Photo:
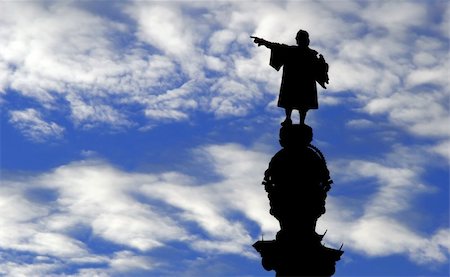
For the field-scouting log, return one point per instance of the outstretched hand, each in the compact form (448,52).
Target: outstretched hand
(258,40)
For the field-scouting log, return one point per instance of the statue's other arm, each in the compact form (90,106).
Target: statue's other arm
(322,72)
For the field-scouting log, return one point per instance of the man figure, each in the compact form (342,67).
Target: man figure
(302,68)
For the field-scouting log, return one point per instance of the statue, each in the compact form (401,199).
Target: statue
(302,68)
(297,180)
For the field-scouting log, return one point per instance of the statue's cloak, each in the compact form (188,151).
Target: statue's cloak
(301,69)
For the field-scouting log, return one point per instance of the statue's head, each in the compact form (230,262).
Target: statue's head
(302,38)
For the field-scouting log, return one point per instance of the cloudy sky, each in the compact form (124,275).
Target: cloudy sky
(135,135)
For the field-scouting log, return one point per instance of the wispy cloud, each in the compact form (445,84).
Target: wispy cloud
(374,224)
(142,211)
(31,124)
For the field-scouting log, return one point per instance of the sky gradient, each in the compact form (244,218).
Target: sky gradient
(135,135)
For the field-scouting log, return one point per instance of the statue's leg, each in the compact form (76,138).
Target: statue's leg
(288,119)
(302,115)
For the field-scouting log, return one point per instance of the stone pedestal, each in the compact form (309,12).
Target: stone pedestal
(297,182)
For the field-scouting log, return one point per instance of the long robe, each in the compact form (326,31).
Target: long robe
(298,85)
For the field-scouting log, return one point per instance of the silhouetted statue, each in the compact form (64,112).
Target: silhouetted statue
(301,69)
(297,179)
(297,182)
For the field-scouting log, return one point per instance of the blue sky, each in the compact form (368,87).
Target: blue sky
(135,135)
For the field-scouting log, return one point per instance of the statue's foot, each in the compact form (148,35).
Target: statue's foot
(286,122)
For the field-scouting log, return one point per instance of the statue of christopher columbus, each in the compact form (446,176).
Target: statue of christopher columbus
(302,68)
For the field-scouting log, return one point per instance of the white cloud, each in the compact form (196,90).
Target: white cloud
(424,114)
(24,270)
(220,41)
(173,103)
(165,27)
(211,205)
(376,224)
(61,52)
(435,76)
(379,235)
(98,195)
(47,47)
(126,260)
(360,123)
(31,124)
(88,115)
(396,17)
(140,211)
(443,149)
